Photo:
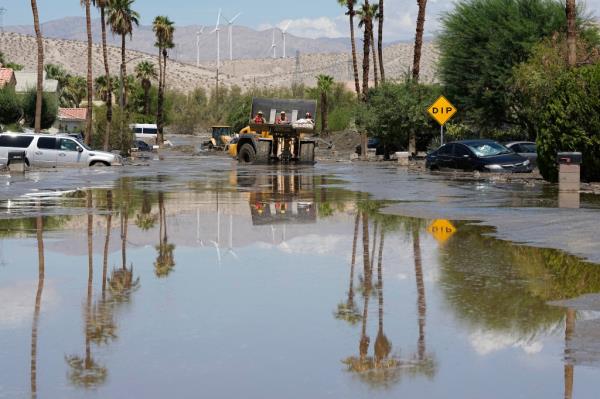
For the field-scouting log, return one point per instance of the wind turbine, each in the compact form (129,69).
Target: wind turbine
(284,34)
(198,34)
(230,23)
(217,30)
(273,45)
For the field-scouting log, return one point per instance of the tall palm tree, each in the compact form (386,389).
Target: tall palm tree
(383,346)
(38,305)
(374,14)
(90,81)
(380,41)
(146,72)
(75,91)
(571,11)
(40,68)
(101,87)
(122,18)
(365,22)
(164,30)
(324,83)
(102,4)
(419,39)
(350,4)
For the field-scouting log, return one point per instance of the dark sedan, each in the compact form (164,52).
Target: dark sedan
(480,155)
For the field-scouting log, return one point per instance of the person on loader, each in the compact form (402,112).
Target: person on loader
(259,119)
(282,119)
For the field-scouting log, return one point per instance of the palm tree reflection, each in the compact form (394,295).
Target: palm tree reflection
(165,261)
(38,305)
(85,371)
(348,310)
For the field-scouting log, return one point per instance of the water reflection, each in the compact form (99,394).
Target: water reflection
(490,288)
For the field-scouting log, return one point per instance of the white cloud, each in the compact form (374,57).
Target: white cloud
(17,302)
(487,342)
(312,27)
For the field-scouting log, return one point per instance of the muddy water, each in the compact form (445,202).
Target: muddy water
(261,284)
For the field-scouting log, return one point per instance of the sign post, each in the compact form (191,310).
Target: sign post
(442,110)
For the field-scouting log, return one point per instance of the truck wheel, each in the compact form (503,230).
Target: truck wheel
(246,154)
(263,152)
(307,153)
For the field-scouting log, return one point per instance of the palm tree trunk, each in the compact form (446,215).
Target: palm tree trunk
(353,42)
(380,42)
(159,109)
(38,305)
(88,308)
(124,225)
(40,68)
(90,81)
(146,100)
(108,83)
(421,304)
(365,66)
(571,11)
(123,73)
(419,39)
(353,261)
(375,66)
(324,105)
(109,202)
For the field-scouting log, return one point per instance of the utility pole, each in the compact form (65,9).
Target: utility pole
(297,68)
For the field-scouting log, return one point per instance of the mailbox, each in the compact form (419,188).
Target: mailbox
(569,170)
(569,158)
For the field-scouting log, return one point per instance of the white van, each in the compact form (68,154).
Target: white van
(49,151)
(145,131)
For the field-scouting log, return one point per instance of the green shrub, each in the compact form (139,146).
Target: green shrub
(481,41)
(120,121)
(49,109)
(10,106)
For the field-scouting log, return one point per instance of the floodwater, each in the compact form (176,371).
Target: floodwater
(259,283)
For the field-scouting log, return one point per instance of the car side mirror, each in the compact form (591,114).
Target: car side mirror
(79,149)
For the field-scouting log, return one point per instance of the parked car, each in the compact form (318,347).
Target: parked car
(481,155)
(526,149)
(44,150)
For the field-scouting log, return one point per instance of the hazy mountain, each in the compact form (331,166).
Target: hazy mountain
(247,43)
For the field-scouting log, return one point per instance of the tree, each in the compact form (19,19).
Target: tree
(571,13)
(146,72)
(350,4)
(122,18)
(380,41)
(365,21)
(481,41)
(89,78)
(101,87)
(164,29)
(416,70)
(40,68)
(10,106)
(324,83)
(374,16)
(58,73)
(75,91)
(102,4)
(48,112)
(38,304)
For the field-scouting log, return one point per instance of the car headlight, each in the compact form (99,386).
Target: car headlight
(494,167)
(526,163)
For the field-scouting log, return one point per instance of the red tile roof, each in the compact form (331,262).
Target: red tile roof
(72,113)
(6,75)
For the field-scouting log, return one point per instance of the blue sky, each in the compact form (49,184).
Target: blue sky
(314,19)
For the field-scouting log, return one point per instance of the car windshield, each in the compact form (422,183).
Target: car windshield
(488,148)
(81,143)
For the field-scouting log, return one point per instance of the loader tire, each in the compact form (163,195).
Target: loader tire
(263,152)
(307,153)
(247,154)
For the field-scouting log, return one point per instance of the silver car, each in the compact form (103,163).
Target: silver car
(49,151)
(526,149)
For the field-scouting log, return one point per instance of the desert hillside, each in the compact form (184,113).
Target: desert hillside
(247,73)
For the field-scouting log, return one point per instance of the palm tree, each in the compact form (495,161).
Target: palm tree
(569,369)
(90,81)
(75,91)
(40,68)
(109,206)
(571,11)
(380,41)
(101,87)
(165,260)
(419,39)
(350,4)
(365,22)
(324,83)
(58,73)
(102,4)
(374,15)
(383,346)
(38,305)
(164,29)
(146,72)
(348,310)
(121,19)
(421,303)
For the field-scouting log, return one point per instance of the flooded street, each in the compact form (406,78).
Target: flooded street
(200,279)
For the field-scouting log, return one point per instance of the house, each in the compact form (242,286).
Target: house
(28,81)
(7,78)
(71,120)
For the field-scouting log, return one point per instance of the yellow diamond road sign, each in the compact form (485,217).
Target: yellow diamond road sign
(442,110)
(441,230)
